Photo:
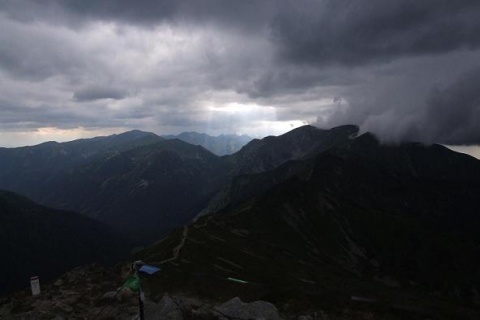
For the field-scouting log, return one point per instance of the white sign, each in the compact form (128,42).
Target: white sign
(35,284)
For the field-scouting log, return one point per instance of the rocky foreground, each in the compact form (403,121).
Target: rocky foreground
(95,292)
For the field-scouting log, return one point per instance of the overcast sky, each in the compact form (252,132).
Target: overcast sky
(405,70)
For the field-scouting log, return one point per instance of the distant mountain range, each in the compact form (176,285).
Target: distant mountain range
(39,241)
(31,170)
(137,182)
(144,192)
(220,145)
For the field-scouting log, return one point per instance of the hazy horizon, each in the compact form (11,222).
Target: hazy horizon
(473,151)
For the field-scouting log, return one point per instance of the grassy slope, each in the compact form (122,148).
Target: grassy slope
(387,223)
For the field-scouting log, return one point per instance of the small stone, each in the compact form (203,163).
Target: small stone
(203,312)
(58,283)
(67,292)
(187,303)
(109,295)
(236,308)
(166,309)
(132,310)
(126,295)
(65,307)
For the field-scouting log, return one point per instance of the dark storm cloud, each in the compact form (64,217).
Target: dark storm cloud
(247,15)
(452,113)
(37,53)
(165,63)
(55,11)
(98,93)
(135,11)
(289,79)
(370,31)
(396,110)
(18,116)
(306,31)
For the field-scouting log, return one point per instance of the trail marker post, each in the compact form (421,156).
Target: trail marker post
(35,285)
(140,266)
(141,297)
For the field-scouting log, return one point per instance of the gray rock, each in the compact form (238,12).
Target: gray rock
(109,295)
(5,312)
(204,312)
(238,309)
(166,309)
(186,304)
(59,283)
(65,307)
(126,295)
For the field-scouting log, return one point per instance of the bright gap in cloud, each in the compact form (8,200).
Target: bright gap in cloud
(473,151)
(247,118)
(40,135)
(272,128)
(239,108)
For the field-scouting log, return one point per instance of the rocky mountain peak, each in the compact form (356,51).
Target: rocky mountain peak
(270,152)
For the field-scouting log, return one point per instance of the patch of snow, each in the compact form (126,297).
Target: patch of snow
(250,253)
(386,280)
(292,221)
(222,268)
(142,183)
(362,299)
(230,263)
(190,239)
(306,280)
(211,236)
(305,263)
(240,232)
(355,249)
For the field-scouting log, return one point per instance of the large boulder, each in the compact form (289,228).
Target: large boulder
(166,309)
(237,309)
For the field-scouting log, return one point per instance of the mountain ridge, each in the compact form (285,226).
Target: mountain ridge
(269,152)
(329,211)
(169,182)
(45,242)
(361,219)
(152,188)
